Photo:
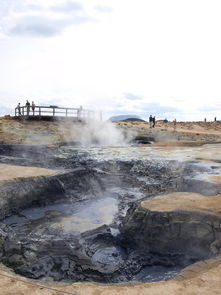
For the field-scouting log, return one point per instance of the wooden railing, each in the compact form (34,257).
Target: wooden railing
(52,111)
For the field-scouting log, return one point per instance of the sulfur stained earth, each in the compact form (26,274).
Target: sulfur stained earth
(184,201)
(11,172)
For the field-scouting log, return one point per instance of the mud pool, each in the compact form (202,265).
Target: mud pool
(67,217)
(73,226)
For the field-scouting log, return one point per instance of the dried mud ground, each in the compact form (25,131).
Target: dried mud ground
(10,172)
(200,278)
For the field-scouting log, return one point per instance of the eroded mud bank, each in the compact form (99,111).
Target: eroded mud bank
(72,226)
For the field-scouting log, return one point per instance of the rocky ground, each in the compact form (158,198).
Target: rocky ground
(170,183)
(17,131)
(184,133)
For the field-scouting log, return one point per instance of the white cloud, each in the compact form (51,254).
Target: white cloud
(102,8)
(132,96)
(158,52)
(24,18)
(67,6)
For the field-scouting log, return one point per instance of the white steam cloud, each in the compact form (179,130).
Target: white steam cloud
(97,133)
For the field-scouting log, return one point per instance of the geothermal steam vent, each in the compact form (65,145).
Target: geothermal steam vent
(108,214)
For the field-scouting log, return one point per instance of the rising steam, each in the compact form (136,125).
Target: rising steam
(97,133)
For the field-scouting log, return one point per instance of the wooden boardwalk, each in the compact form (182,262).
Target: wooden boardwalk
(55,111)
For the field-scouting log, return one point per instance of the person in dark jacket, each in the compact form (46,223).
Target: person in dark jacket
(150,121)
(28,107)
(154,121)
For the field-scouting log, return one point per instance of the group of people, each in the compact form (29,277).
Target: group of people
(165,122)
(28,106)
(206,120)
(152,122)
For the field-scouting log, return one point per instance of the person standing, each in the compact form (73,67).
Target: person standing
(28,107)
(150,121)
(174,124)
(165,123)
(19,109)
(154,121)
(33,107)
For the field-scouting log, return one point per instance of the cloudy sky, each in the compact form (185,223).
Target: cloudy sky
(159,57)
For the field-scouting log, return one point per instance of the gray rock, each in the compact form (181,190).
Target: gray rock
(190,234)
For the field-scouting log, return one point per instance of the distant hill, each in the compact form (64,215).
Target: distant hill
(134,120)
(123,117)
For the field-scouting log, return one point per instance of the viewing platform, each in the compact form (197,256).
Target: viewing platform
(41,112)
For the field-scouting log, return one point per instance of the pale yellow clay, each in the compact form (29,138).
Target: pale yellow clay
(184,201)
(11,172)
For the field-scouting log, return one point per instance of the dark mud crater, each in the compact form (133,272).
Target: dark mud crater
(85,223)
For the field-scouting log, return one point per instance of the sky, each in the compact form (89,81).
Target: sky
(158,57)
